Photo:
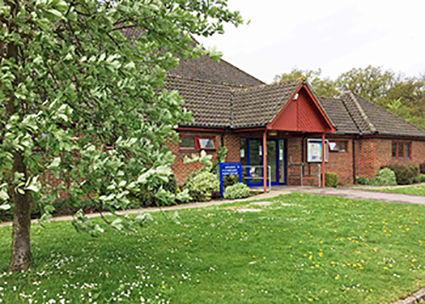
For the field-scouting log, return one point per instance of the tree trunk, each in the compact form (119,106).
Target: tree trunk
(21,247)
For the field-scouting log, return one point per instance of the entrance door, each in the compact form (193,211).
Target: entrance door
(276,160)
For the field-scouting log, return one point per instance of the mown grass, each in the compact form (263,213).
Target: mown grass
(413,190)
(300,249)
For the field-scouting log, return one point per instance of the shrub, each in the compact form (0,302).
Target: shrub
(405,174)
(236,191)
(148,198)
(221,157)
(422,178)
(386,177)
(331,179)
(201,184)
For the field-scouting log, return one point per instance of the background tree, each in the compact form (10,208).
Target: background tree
(404,96)
(324,87)
(78,75)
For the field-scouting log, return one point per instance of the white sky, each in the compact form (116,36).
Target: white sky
(334,35)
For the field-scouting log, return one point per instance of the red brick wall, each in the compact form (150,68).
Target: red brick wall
(340,163)
(232,142)
(182,170)
(383,155)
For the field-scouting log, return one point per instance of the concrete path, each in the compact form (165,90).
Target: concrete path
(262,196)
(367,195)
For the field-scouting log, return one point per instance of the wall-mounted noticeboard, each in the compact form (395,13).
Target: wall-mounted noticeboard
(314,150)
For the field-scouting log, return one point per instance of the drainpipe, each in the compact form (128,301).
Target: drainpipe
(323,160)
(354,160)
(265,160)
(222,138)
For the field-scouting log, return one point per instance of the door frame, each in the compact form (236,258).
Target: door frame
(278,168)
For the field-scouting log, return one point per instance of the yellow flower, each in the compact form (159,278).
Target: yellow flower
(310,300)
(413,260)
(336,278)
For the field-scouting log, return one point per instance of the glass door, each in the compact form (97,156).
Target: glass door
(252,157)
(255,161)
(272,154)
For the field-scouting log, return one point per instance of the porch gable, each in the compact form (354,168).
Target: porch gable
(302,113)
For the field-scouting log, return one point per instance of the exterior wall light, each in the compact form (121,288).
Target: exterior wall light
(295,97)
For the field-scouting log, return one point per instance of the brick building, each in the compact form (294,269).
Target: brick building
(279,130)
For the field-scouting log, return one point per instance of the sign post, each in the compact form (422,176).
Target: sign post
(229,169)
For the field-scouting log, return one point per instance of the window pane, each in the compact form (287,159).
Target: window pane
(394,153)
(400,150)
(343,146)
(333,146)
(206,143)
(187,143)
(407,150)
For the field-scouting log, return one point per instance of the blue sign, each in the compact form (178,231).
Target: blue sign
(229,169)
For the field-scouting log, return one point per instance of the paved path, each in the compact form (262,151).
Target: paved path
(367,195)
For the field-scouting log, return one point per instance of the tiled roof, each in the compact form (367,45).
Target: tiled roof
(374,119)
(207,69)
(210,103)
(339,115)
(257,106)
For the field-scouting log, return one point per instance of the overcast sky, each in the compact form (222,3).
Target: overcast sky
(334,35)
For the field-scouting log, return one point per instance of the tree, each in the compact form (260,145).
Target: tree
(371,82)
(324,87)
(82,74)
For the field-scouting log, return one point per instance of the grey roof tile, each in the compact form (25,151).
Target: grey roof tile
(210,103)
(256,106)
(339,115)
(207,69)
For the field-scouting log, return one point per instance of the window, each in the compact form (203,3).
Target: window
(401,150)
(340,146)
(333,146)
(196,143)
(187,143)
(207,143)
(394,151)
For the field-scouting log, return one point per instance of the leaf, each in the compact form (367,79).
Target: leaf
(55,163)
(118,224)
(5,207)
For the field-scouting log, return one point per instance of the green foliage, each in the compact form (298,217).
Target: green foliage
(361,180)
(422,178)
(405,175)
(149,198)
(221,157)
(201,184)
(331,179)
(236,191)
(386,177)
(323,87)
(78,75)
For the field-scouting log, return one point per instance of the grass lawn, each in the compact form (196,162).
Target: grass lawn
(414,190)
(300,249)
